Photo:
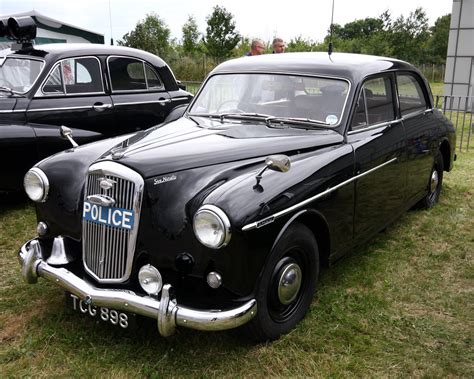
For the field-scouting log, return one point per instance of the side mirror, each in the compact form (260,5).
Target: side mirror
(66,133)
(280,163)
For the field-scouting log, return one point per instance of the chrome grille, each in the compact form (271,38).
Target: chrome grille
(107,250)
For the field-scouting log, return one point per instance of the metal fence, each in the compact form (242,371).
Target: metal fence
(459,110)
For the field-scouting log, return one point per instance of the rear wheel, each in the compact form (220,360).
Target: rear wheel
(286,285)
(435,183)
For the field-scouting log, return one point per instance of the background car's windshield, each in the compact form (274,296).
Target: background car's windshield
(19,74)
(276,95)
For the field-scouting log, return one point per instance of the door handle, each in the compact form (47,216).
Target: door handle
(164,101)
(99,107)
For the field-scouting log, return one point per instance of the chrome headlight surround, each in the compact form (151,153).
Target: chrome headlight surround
(212,226)
(36,185)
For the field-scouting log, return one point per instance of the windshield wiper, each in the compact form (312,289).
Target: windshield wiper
(298,121)
(237,115)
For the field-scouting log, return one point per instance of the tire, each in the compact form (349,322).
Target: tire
(435,184)
(279,307)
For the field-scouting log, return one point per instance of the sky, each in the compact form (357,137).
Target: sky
(254,18)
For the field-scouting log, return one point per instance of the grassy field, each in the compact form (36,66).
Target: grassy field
(399,306)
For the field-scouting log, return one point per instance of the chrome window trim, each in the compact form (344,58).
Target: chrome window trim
(416,113)
(41,93)
(30,59)
(305,75)
(123,172)
(270,219)
(13,111)
(375,126)
(147,89)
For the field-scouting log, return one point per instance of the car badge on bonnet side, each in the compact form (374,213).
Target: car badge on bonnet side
(106,183)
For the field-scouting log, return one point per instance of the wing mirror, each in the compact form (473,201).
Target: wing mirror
(279,163)
(66,133)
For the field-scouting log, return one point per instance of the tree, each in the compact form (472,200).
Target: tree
(221,36)
(151,35)
(438,42)
(190,36)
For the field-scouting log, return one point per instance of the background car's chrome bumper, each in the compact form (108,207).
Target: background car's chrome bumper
(166,310)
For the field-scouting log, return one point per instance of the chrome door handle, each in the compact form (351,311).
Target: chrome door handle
(164,101)
(101,107)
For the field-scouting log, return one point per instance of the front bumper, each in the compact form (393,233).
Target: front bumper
(166,311)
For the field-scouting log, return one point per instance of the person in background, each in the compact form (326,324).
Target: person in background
(278,46)
(256,48)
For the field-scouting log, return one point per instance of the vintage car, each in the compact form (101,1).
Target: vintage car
(97,91)
(222,218)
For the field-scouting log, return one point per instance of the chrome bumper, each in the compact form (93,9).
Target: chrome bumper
(166,311)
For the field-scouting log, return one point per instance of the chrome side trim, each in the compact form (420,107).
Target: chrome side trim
(63,108)
(168,313)
(13,111)
(363,129)
(270,219)
(164,101)
(179,98)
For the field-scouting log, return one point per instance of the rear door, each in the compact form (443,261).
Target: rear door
(378,140)
(138,93)
(421,138)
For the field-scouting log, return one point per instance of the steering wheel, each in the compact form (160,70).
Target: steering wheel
(234,108)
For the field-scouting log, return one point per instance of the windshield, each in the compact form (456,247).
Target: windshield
(273,96)
(19,74)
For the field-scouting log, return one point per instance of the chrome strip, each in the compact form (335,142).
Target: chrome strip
(63,108)
(164,101)
(179,98)
(417,113)
(270,219)
(13,111)
(375,126)
(168,313)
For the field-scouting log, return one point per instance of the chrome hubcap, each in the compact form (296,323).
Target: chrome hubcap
(289,283)
(434,181)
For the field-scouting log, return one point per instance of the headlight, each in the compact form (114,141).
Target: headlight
(36,185)
(212,227)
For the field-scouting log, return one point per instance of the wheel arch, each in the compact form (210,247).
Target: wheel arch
(315,222)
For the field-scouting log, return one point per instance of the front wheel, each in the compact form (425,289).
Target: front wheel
(286,285)
(435,183)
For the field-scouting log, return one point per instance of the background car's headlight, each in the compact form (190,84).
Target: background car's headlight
(212,227)
(36,185)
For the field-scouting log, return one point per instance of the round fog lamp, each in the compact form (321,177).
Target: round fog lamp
(150,280)
(214,279)
(36,185)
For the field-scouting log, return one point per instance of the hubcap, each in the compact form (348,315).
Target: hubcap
(434,181)
(289,283)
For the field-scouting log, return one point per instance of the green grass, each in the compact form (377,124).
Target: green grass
(400,306)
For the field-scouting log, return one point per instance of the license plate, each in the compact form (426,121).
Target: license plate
(112,316)
(110,216)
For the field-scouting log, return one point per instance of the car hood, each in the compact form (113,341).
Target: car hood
(192,142)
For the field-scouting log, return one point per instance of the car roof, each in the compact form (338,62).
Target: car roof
(350,66)
(56,51)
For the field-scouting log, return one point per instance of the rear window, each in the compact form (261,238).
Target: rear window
(410,94)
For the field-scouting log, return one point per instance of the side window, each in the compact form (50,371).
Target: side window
(152,78)
(410,94)
(74,76)
(128,74)
(375,103)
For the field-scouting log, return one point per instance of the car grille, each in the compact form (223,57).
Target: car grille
(108,251)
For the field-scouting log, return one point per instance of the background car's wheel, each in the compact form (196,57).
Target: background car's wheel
(435,183)
(286,285)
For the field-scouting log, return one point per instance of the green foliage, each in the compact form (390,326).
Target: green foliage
(190,36)
(438,43)
(221,35)
(151,35)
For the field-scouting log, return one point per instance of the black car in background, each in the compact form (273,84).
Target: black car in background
(222,218)
(97,91)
